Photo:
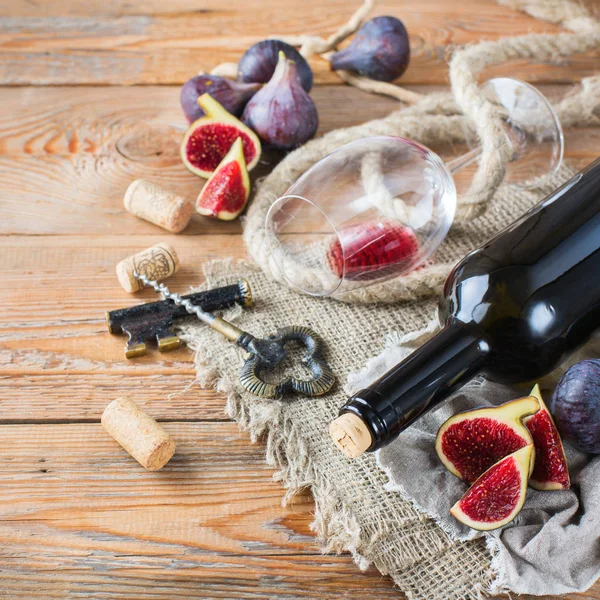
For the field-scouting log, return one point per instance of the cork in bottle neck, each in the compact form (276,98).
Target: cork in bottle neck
(350,434)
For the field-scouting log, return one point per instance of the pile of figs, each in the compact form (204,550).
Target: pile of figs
(230,120)
(269,104)
(499,451)
(270,95)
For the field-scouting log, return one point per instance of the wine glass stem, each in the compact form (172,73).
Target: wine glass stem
(456,164)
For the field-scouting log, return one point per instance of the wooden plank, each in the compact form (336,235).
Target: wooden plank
(65,168)
(57,359)
(81,397)
(120,8)
(209,525)
(86,120)
(216,493)
(113,43)
(78,274)
(83,193)
(66,163)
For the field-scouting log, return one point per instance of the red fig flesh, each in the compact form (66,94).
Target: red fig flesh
(225,194)
(209,138)
(469,443)
(231,95)
(550,471)
(497,495)
(282,113)
(367,250)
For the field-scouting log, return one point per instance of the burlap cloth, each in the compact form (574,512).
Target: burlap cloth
(354,511)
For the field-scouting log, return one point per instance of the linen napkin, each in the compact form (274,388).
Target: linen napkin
(552,547)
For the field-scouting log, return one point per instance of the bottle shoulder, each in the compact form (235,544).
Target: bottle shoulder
(531,322)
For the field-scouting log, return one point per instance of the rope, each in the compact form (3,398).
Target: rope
(463,116)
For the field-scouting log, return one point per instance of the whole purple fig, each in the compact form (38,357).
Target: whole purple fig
(232,95)
(576,405)
(258,63)
(282,113)
(380,50)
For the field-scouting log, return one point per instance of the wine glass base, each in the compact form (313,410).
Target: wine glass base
(532,127)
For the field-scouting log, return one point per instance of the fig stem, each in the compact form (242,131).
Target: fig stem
(376,87)
(314,44)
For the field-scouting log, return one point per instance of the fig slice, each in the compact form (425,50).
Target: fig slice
(209,138)
(550,471)
(497,495)
(469,443)
(225,194)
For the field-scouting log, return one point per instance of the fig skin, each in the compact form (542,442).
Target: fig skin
(282,113)
(380,50)
(576,405)
(231,95)
(259,62)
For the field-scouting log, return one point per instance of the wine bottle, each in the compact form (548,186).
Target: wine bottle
(512,310)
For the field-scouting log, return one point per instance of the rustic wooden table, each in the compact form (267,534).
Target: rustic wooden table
(90,102)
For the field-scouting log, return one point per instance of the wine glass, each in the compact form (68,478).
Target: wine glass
(379,207)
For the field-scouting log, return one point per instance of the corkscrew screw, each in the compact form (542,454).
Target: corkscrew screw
(264,353)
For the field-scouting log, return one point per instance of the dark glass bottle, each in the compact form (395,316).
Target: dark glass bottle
(513,310)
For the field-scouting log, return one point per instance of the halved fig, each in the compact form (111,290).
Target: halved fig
(225,194)
(550,471)
(469,443)
(498,495)
(209,138)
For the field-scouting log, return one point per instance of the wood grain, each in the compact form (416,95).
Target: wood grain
(66,163)
(209,525)
(78,517)
(65,169)
(121,45)
(57,359)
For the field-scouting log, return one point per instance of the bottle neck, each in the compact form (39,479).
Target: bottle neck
(419,383)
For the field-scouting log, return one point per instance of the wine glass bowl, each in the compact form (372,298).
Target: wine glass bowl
(375,208)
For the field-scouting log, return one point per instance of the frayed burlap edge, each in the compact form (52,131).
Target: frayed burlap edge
(286,450)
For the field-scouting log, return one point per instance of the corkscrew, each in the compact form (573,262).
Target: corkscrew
(265,353)
(154,321)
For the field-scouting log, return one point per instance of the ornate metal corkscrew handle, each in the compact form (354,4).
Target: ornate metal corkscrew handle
(264,353)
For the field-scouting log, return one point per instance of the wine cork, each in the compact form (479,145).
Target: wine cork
(158,263)
(138,433)
(350,434)
(152,203)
